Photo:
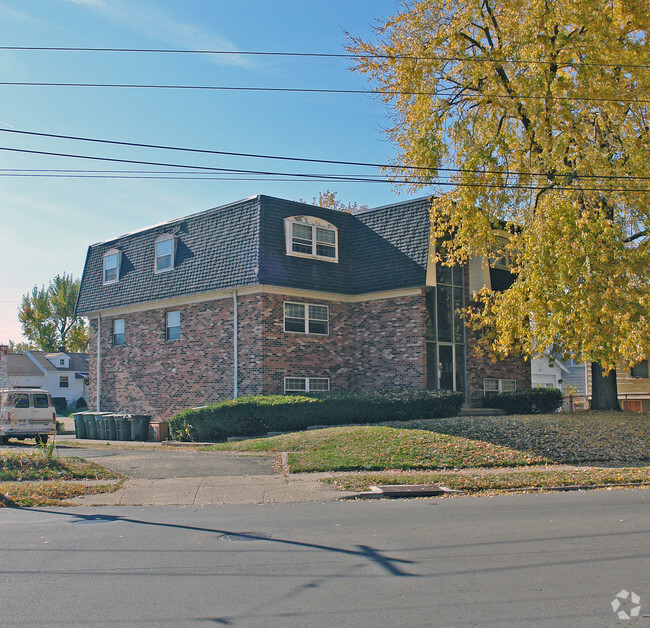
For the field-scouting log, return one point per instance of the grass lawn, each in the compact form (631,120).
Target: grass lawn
(26,494)
(34,478)
(378,447)
(610,448)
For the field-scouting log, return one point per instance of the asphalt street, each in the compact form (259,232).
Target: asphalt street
(516,560)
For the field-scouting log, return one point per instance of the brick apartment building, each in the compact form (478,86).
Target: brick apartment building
(267,295)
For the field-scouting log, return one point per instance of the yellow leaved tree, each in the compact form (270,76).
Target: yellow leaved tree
(532,115)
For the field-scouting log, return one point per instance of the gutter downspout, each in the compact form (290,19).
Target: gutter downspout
(235,385)
(99,358)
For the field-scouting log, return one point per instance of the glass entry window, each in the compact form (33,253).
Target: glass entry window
(445,331)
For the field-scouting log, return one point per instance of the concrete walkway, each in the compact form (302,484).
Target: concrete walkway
(159,475)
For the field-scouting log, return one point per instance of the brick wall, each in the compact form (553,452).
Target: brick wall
(151,375)
(371,345)
(480,367)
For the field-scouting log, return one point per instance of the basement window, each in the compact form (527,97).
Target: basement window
(493,385)
(306,384)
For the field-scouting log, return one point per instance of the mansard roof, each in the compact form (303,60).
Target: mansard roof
(243,244)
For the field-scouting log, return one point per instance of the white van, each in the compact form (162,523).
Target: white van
(26,413)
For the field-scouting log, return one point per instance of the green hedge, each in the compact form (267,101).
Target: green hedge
(530,401)
(254,416)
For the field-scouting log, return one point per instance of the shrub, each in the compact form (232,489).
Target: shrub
(253,416)
(530,401)
(81,404)
(60,404)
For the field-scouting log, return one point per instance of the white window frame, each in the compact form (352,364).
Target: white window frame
(313,224)
(500,384)
(168,326)
(117,323)
(64,381)
(172,254)
(118,262)
(309,383)
(307,318)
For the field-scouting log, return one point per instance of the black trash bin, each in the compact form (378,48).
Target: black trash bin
(111,427)
(123,427)
(91,426)
(79,425)
(140,426)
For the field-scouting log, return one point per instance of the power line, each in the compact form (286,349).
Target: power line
(323,55)
(315,161)
(317,90)
(318,177)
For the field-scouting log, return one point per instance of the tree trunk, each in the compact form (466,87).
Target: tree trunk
(604,390)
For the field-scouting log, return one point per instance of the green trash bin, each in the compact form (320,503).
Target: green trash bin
(91,426)
(140,426)
(111,427)
(79,425)
(101,425)
(123,427)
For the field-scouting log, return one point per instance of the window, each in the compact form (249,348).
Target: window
(165,249)
(61,362)
(21,400)
(40,401)
(499,385)
(306,384)
(173,326)
(118,332)
(63,381)
(640,370)
(112,266)
(306,319)
(308,236)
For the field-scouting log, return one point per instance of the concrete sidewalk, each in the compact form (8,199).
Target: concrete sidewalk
(158,475)
(195,491)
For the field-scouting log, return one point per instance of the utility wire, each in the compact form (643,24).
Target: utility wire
(322,55)
(316,161)
(301,90)
(339,178)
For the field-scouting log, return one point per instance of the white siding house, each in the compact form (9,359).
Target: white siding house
(60,373)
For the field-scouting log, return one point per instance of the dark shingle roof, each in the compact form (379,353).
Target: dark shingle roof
(243,244)
(216,249)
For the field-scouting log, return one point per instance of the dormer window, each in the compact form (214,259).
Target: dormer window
(308,236)
(112,266)
(165,253)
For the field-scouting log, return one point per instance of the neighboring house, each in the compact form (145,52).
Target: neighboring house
(633,384)
(268,296)
(62,374)
(548,373)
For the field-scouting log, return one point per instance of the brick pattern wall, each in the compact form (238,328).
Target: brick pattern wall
(480,367)
(371,345)
(151,375)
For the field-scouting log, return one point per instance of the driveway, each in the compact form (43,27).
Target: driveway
(162,462)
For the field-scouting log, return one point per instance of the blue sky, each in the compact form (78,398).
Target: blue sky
(48,223)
